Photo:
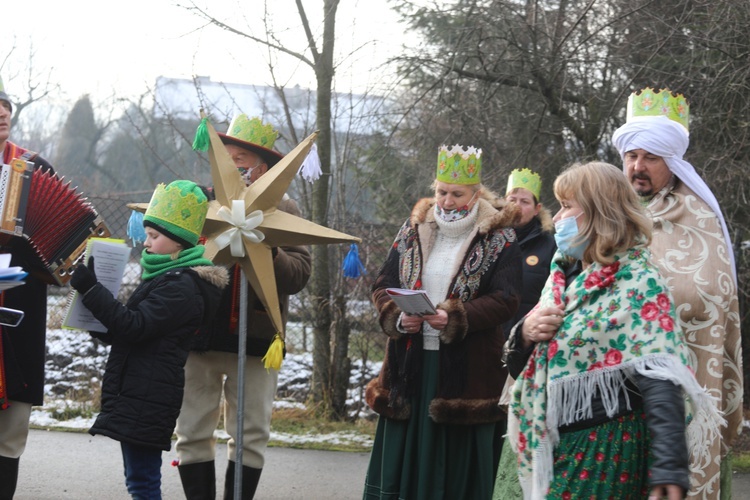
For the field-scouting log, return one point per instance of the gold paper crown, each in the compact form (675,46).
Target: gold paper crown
(662,103)
(526,179)
(459,166)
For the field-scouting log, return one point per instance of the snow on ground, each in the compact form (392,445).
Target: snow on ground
(75,365)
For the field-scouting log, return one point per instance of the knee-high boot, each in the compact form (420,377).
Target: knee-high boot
(198,480)
(250,478)
(9,475)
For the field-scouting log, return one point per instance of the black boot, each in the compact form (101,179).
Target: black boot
(250,478)
(198,480)
(8,477)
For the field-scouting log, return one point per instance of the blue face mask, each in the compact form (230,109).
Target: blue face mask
(566,232)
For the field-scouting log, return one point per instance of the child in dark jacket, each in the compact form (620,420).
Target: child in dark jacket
(150,335)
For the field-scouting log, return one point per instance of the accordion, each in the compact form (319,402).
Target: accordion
(50,215)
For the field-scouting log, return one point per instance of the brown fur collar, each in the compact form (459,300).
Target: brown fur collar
(494,212)
(545,217)
(216,275)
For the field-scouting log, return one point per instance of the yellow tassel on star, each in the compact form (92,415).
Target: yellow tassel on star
(275,354)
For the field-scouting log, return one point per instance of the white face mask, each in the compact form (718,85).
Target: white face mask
(454,214)
(246,173)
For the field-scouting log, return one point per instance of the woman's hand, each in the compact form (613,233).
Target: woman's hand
(412,324)
(437,321)
(668,491)
(541,325)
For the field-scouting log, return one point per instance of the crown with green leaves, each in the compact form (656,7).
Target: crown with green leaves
(252,130)
(457,165)
(178,210)
(663,103)
(526,179)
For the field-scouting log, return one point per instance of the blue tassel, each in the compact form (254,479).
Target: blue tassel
(353,267)
(135,227)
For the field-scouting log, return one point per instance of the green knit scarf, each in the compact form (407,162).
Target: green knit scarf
(157,264)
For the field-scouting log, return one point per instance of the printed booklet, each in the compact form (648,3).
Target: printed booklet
(414,302)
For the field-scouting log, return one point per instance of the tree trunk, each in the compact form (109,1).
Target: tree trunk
(341,365)
(320,280)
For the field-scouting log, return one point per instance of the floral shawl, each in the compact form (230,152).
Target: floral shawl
(619,320)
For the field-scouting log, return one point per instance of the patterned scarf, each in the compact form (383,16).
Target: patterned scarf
(157,264)
(619,320)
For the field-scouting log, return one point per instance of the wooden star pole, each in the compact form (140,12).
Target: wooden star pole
(276,228)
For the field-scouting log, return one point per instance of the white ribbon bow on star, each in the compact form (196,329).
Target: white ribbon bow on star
(243,227)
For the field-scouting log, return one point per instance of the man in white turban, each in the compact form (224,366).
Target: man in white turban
(692,247)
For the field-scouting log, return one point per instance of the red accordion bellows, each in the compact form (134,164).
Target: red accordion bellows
(58,223)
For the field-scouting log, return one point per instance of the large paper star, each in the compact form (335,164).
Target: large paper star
(244,222)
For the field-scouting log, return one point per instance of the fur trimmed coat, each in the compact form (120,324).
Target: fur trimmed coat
(484,293)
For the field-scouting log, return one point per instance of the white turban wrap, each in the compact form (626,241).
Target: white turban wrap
(666,138)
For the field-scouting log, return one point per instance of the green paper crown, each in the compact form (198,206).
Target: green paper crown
(662,103)
(459,166)
(252,130)
(178,210)
(526,179)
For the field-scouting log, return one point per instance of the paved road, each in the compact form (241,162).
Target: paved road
(66,465)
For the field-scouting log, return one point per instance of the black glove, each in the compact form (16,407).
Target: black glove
(84,277)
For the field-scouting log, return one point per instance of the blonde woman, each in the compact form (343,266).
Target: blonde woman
(598,408)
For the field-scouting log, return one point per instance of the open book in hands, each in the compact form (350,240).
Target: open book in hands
(413,302)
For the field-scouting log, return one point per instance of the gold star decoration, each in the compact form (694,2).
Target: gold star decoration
(243,223)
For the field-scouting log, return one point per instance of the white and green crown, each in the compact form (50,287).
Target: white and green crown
(663,103)
(457,165)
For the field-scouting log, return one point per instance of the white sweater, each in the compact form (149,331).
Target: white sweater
(436,274)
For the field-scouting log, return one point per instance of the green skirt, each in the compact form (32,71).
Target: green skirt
(607,461)
(419,459)
(507,485)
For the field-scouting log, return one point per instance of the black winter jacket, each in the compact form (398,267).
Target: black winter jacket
(24,347)
(150,338)
(537,248)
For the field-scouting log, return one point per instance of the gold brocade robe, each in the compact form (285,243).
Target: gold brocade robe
(690,250)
